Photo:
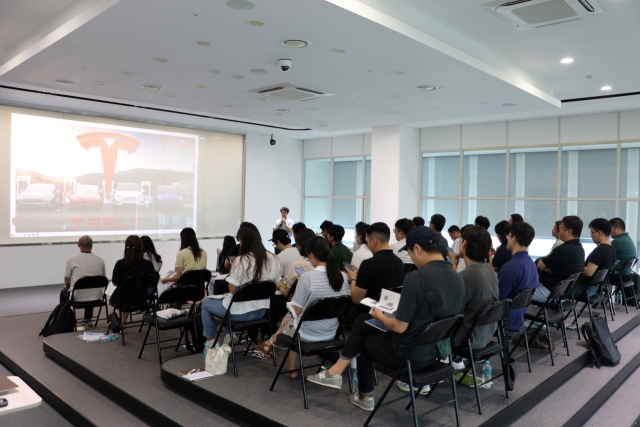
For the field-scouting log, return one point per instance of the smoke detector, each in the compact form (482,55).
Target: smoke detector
(290,92)
(526,14)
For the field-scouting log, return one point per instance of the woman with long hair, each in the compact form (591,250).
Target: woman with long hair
(326,280)
(228,243)
(150,253)
(190,257)
(254,264)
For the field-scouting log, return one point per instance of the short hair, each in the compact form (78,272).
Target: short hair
(418,221)
(284,208)
(337,232)
(404,224)
(464,227)
(301,240)
(483,222)
(285,240)
(85,242)
(617,223)
(438,221)
(361,230)
(433,247)
(454,228)
(523,232)
(502,231)
(478,243)
(601,224)
(558,226)
(325,225)
(516,217)
(573,223)
(297,227)
(360,223)
(380,231)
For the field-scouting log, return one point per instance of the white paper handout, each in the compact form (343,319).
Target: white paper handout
(169,273)
(388,302)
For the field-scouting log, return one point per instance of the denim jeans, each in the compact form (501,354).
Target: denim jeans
(214,306)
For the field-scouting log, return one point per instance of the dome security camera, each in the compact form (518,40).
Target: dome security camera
(272,141)
(285,64)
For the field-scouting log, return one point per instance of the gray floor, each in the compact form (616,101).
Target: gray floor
(29,300)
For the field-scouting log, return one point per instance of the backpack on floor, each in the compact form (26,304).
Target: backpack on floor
(604,352)
(60,320)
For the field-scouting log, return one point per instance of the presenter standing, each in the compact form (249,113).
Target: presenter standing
(284,223)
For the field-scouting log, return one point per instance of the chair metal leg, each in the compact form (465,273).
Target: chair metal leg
(412,394)
(158,341)
(375,377)
(564,336)
(233,355)
(284,359)
(546,322)
(144,343)
(455,399)
(273,350)
(97,317)
(575,314)
(624,297)
(375,409)
(475,379)
(526,343)
(182,331)
(304,386)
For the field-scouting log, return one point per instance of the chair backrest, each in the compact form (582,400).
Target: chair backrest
(91,282)
(195,277)
(492,313)
(326,308)
(179,295)
(562,286)
(630,264)
(138,289)
(437,330)
(254,291)
(599,277)
(522,299)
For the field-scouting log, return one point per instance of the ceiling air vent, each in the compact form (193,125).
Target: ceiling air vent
(290,92)
(526,14)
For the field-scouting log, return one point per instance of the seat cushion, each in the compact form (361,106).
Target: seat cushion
(239,326)
(86,304)
(553,316)
(312,348)
(433,373)
(175,323)
(481,353)
(513,334)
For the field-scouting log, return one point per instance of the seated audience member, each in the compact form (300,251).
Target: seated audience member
(481,285)
(555,232)
(341,252)
(563,261)
(460,265)
(603,256)
(131,264)
(520,272)
(383,270)
(437,223)
(356,245)
(190,257)
(223,255)
(369,344)
(288,254)
(402,227)
(363,251)
(326,280)
(418,221)
(292,276)
(454,235)
(150,253)
(255,264)
(298,227)
(482,221)
(515,217)
(81,264)
(502,254)
(324,229)
(625,250)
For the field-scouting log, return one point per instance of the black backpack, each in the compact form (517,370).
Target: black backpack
(60,320)
(604,352)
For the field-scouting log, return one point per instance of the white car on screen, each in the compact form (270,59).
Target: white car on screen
(128,193)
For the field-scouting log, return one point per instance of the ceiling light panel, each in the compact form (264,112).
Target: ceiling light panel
(295,43)
(240,4)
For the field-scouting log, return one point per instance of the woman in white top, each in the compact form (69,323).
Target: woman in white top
(254,264)
(363,251)
(326,280)
(190,257)
(150,253)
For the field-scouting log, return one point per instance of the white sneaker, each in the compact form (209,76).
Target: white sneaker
(405,387)
(458,363)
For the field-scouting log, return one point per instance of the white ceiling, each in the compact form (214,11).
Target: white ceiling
(454,44)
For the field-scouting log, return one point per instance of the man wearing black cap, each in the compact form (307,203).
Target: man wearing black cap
(415,311)
(288,254)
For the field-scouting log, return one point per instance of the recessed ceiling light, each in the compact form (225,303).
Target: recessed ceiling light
(255,23)
(323,126)
(566,60)
(240,4)
(127,73)
(397,72)
(425,87)
(64,82)
(320,121)
(296,43)
(261,99)
(201,86)
(353,118)
(83,69)
(203,44)
(228,105)
(312,109)
(338,50)
(98,83)
(482,102)
(435,108)
(394,96)
(259,71)
(605,88)
(159,59)
(283,111)
(443,88)
(170,96)
(151,87)
(278,114)
(589,76)
(238,77)
(349,103)
(508,104)
(391,112)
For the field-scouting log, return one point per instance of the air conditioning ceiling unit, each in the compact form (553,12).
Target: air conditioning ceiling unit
(290,92)
(526,14)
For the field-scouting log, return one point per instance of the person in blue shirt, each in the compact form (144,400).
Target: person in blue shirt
(520,272)
(502,255)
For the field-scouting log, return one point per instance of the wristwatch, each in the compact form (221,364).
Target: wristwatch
(352,280)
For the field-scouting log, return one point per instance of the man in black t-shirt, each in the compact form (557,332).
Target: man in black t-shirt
(603,256)
(370,344)
(563,261)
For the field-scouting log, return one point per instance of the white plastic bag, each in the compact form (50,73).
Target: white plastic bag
(216,360)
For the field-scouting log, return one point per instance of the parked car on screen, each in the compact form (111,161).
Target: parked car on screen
(39,195)
(128,193)
(168,195)
(87,195)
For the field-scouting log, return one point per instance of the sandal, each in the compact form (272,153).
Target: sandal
(294,375)
(264,347)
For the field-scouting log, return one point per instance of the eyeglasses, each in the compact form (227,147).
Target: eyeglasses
(595,232)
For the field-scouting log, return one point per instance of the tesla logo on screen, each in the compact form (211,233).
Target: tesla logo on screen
(109,144)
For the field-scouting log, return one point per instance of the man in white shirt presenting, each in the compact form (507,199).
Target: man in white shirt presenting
(283,222)
(288,254)
(403,226)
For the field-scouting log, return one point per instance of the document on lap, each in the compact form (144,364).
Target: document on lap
(388,303)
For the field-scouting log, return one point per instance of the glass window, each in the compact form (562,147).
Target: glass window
(492,209)
(316,211)
(588,210)
(540,214)
(630,170)
(533,172)
(441,175)
(347,212)
(628,212)
(347,177)
(367,177)
(317,177)
(484,173)
(449,208)
(589,171)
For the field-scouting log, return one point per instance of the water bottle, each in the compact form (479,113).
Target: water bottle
(354,366)
(619,299)
(109,337)
(486,375)
(204,357)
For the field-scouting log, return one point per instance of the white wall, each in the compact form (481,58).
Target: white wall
(338,146)
(273,179)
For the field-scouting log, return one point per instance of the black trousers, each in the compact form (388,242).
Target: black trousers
(617,279)
(65,295)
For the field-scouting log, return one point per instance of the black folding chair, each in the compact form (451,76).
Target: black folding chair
(435,331)
(496,312)
(599,280)
(521,300)
(177,295)
(198,278)
(321,309)
(630,264)
(137,293)
(89,282)
(255,291)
